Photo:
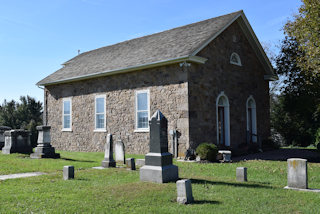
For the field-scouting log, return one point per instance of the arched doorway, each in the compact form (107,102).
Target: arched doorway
(251,120)
(223,122)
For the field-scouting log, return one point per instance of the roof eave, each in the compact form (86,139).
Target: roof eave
(271,77)
(191,59)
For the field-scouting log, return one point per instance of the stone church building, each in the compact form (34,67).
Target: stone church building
(210,79)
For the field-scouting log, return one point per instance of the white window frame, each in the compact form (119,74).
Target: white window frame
(254,118)
(238,57)
(95,114)
(136,110)
(64,100)
(227,119)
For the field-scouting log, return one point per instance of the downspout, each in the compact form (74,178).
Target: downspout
(45,110)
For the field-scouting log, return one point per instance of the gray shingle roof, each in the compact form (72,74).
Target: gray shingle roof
(166,45)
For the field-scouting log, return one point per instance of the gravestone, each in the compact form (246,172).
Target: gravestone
(140,162)
(68,172)
(17,141)
(131,163)
(44,148)
(2,130)
(108,154)
(184,192)
(174,142)
(241,174)
(158,162)
(119,152)
(297,173)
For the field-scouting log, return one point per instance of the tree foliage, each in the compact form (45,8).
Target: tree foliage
(26,114)
(295,113)
(305,28)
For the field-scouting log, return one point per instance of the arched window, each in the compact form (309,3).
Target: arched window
(223,122)
(235,59)
(251,120)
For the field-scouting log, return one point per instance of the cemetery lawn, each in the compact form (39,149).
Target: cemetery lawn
(119,191)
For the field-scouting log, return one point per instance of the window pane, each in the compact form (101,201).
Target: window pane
(142,119)
(66,121)
(66,107)
(99,121)
(100,105)
(142,101)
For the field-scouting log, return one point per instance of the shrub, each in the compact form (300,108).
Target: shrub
(317,140)
(207,151)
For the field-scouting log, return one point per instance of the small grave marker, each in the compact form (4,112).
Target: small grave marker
(241,173)
(184,192)
(68,172)
(131,163)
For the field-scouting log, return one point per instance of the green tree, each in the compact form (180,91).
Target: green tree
(26,114)
(295,112)
(305,28)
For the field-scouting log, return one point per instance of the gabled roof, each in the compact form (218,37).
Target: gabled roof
(167,47)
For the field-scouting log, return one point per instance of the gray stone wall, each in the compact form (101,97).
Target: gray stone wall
(238,83)
(168,92)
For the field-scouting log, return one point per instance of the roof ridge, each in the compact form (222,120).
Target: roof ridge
(152,34)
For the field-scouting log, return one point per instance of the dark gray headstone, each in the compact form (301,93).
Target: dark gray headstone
(44,148)
(17,141)
(131,163)
(158,162)
(108,154)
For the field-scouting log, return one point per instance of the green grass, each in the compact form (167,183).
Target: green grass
(119,191)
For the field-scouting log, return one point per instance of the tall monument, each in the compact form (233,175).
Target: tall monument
(158,166)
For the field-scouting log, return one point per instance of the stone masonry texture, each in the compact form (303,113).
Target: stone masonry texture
(186,95)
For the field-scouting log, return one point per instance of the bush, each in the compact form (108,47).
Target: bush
(317,140)
(207,151)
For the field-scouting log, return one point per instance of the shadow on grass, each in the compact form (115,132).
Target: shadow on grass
(69,159)
(205,202)
(282,154)
(235,184)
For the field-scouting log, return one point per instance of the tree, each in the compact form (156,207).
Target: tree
(26,114)
(295,114)
(305,29)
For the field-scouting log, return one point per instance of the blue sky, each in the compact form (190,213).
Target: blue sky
(37,36)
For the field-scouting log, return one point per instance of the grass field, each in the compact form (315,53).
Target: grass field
(119,191)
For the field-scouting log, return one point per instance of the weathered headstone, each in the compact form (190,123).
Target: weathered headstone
(131,163)
(108,154)
(44,148)
(17,141)
(68,172)
(2,130)
(184,192)
(119,152)
(159,167)
(297,173)
(241,174)
(140,162)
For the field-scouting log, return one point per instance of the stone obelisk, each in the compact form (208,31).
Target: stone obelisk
(108,154)
(158,167)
